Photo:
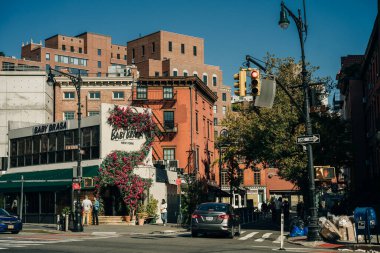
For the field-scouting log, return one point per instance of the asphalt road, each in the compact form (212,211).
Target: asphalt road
(250,241)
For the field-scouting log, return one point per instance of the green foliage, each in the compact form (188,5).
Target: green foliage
(66,210)
(152,207)
(268,136)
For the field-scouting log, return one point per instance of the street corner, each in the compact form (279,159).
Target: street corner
(302,240)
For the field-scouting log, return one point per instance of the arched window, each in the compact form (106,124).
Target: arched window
(175,72)
(214,80)
(185,73)
(205,78)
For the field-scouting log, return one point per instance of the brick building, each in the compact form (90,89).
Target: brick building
(170,54)
(90,53)
(359,85)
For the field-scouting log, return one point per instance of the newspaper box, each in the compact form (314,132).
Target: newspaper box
(365,222)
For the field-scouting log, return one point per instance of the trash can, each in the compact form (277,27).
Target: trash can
(365,221)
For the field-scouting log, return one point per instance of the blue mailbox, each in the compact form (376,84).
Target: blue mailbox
(365,222)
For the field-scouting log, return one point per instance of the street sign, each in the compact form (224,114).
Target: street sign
(71,147)
(308,139)
(77,179)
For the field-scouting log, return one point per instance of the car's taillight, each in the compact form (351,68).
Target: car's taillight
(223,216)
(195,216)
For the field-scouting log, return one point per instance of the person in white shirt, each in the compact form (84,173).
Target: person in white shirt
(86,205)
(164,212)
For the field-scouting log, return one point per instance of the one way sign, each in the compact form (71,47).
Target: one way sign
(308,139)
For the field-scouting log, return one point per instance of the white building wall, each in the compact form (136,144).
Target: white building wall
(24,97)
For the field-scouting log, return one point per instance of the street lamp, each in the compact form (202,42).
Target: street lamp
(77,81)
(313,233)
(223,133)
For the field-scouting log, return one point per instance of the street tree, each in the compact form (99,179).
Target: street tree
(268,136)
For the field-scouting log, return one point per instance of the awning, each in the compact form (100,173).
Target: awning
(44,180)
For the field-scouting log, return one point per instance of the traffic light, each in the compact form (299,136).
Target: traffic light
(255,82)
(240,85)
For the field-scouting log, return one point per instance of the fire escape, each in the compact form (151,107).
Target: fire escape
(158,96)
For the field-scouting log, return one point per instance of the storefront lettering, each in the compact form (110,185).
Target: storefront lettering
(124,134)
(50,128)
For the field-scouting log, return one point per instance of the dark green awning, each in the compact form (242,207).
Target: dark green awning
(44,180)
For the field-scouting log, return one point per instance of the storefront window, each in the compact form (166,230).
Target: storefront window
(28,151)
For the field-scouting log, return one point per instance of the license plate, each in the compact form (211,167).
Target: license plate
(209,218)
(11,227)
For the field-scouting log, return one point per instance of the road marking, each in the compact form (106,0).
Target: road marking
(278,240)
(242,232)
(248,236)
(265,236)
(103,233)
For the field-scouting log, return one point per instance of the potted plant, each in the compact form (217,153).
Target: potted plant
(151,210)
(141,214)
(127,217)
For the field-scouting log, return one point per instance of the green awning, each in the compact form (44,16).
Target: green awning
(44,180)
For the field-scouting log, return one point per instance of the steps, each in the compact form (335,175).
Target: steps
(114,220)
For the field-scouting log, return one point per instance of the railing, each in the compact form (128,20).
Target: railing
(21,68)
(248,214)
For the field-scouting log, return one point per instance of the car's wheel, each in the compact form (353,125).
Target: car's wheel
(194,233)
(231,234)
(238,231)
(15,232)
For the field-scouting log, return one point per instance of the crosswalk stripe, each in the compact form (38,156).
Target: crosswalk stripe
(265,236)
(248,236)
(278,240)
(242,232)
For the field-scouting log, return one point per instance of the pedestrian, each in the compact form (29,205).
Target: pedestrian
(14,207)
(95,212)
(164,211)
(278,206)
(86,205)
(285,207)
(300,210)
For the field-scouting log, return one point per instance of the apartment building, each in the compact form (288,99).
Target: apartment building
(90,54)
(171,54)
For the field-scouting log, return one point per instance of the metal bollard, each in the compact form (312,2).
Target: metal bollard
(58,222)
(282,232)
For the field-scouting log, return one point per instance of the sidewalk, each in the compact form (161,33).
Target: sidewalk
(341,245)
(117,229)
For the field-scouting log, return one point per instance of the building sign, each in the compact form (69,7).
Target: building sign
(124,139)
(50,128)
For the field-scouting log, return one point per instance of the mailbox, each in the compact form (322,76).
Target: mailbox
(365,222)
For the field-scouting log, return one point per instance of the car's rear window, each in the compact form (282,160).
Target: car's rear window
(212,207)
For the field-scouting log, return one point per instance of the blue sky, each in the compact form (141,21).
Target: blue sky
(231,29)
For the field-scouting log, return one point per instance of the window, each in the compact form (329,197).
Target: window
(205,78)
(143,50)
(257,178)
(224,110)
(72,49)
(168,119)
(168,92)
(99,52)
(182,48)
(47,56)
(215,121)
(63,47)
(175,73)
(224,178)
(224,96)
(153,47)
(125,57)
(80,50)
(99,74)
(214,80)
(93,113)
(156,74)
(185,73)
(196,122)
(142,92)
(94,95)
(69,95)
(118,95)
(170,45)
(133,53)
(118,56)
(99,64)
(195,50)
(68,115)
(169,154)
(215,109)
(195,73)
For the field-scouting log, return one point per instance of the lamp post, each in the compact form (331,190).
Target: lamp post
(313,233)
(77,81)
(223,133)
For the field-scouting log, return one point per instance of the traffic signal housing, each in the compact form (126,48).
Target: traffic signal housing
(255,82)
(241,83)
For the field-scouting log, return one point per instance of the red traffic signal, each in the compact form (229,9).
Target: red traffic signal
(255,82)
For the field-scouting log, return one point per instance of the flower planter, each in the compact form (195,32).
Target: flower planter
(141,221)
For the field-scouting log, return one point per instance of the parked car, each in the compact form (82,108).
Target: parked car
(9,223)
(215,218)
